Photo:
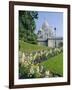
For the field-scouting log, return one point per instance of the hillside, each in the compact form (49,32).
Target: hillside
(31,47)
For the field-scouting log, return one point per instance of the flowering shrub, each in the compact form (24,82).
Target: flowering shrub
(32,71)
(29,66)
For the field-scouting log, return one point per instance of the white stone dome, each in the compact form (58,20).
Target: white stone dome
(45,25)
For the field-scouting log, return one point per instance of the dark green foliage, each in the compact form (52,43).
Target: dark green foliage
(27,26)
(61,44)
(23,72)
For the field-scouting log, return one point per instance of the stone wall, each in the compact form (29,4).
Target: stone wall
(50,42)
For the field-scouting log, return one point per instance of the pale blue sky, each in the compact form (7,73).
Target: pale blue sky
(55,19)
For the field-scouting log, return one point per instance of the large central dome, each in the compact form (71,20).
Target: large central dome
(46,31)
(45,25)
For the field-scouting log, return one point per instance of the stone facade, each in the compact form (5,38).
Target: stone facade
(52,41)
(46,36)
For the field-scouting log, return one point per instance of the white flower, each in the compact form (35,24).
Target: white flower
(30,54)
(47,73)
(47,54)
(34,57)
(41,52)
(31,57)
(37,68)
(50,51)
(41,68)
(23,58)
(32,70)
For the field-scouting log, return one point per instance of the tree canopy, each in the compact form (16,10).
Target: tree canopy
(27,26)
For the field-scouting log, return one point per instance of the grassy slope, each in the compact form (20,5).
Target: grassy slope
(55,64)
(31,47)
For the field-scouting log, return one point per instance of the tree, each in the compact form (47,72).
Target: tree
(27,26)
(60,44)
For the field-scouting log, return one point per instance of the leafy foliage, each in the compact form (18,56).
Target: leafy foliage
(27,26)
(61,44)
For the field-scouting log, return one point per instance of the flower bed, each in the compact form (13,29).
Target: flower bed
(29,66)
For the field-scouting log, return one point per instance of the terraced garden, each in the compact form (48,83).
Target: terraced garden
(39,61)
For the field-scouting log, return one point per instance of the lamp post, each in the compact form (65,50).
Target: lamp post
(55,36)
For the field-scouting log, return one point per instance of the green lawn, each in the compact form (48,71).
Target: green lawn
(31,47)
(55,64)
